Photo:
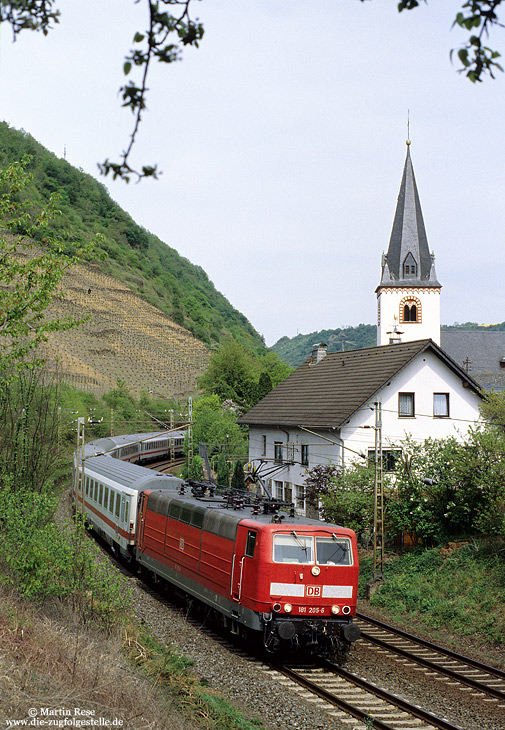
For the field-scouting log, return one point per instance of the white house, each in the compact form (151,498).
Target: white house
(324,412)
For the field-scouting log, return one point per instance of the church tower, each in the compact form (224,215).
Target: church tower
(408,296)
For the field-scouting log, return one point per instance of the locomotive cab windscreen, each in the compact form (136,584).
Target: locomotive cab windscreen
(303,549)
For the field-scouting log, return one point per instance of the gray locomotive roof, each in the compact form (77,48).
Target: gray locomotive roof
(130,475)
(229,515)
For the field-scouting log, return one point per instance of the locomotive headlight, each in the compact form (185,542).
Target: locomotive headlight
(288,607)
(335,609)
(315,570)
(276,607)
(346,610)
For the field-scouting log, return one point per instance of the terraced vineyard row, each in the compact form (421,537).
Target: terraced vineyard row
(122,337)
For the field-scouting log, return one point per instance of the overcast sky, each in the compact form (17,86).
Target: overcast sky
(282,144)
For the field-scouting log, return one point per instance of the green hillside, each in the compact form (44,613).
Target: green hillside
(296,349)
(134,256)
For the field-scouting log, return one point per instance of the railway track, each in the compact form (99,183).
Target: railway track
(353,696)
(167,465)
(487,683)
(343,695)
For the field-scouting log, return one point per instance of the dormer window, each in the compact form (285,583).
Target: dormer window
(409,267)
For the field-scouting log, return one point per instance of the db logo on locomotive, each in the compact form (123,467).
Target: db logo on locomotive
(313,591)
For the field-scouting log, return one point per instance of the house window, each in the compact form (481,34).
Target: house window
(279,491)
(300,497)
(288,492)
(264,445)
(305,454)
(441,405)
(278,450)
(406,405)
(389,458)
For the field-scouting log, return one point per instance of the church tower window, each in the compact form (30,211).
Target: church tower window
(409,267)
(410,313)
(410,310)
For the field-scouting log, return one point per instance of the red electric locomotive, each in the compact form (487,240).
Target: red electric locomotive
(260,568)
(290,580)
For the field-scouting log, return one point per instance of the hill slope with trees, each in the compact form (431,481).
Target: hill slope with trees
(295,350)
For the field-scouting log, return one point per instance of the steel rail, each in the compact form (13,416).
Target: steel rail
(435,647)
(478,685)
(329,697)
(361,715)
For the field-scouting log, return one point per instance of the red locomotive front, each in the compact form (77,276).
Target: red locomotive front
(302,579)
(294,585)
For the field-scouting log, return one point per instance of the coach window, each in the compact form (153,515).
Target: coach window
(106,498)
(111,501)
(251,543)
(87,486)
(118,503)
(96,492)
(100,494)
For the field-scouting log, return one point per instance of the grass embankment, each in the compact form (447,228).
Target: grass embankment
(124,676)
(455,594)
(69,648)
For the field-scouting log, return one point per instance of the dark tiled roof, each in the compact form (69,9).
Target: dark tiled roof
(408,236)
(484,350)
(326,394)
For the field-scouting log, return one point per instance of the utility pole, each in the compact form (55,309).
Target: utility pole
(190,432)
(378,513)
(172,444)
(79,476)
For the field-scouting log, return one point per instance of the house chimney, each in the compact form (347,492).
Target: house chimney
(318,352)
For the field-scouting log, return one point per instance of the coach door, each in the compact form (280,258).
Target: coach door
(245,543)
(141,521)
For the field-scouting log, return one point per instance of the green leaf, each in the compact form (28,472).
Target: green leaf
(463,57)
(127,68)
(139,37)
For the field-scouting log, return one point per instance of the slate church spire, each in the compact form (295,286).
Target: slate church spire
(409,291)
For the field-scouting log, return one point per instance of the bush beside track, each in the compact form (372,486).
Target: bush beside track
(453,594)
(68,639)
